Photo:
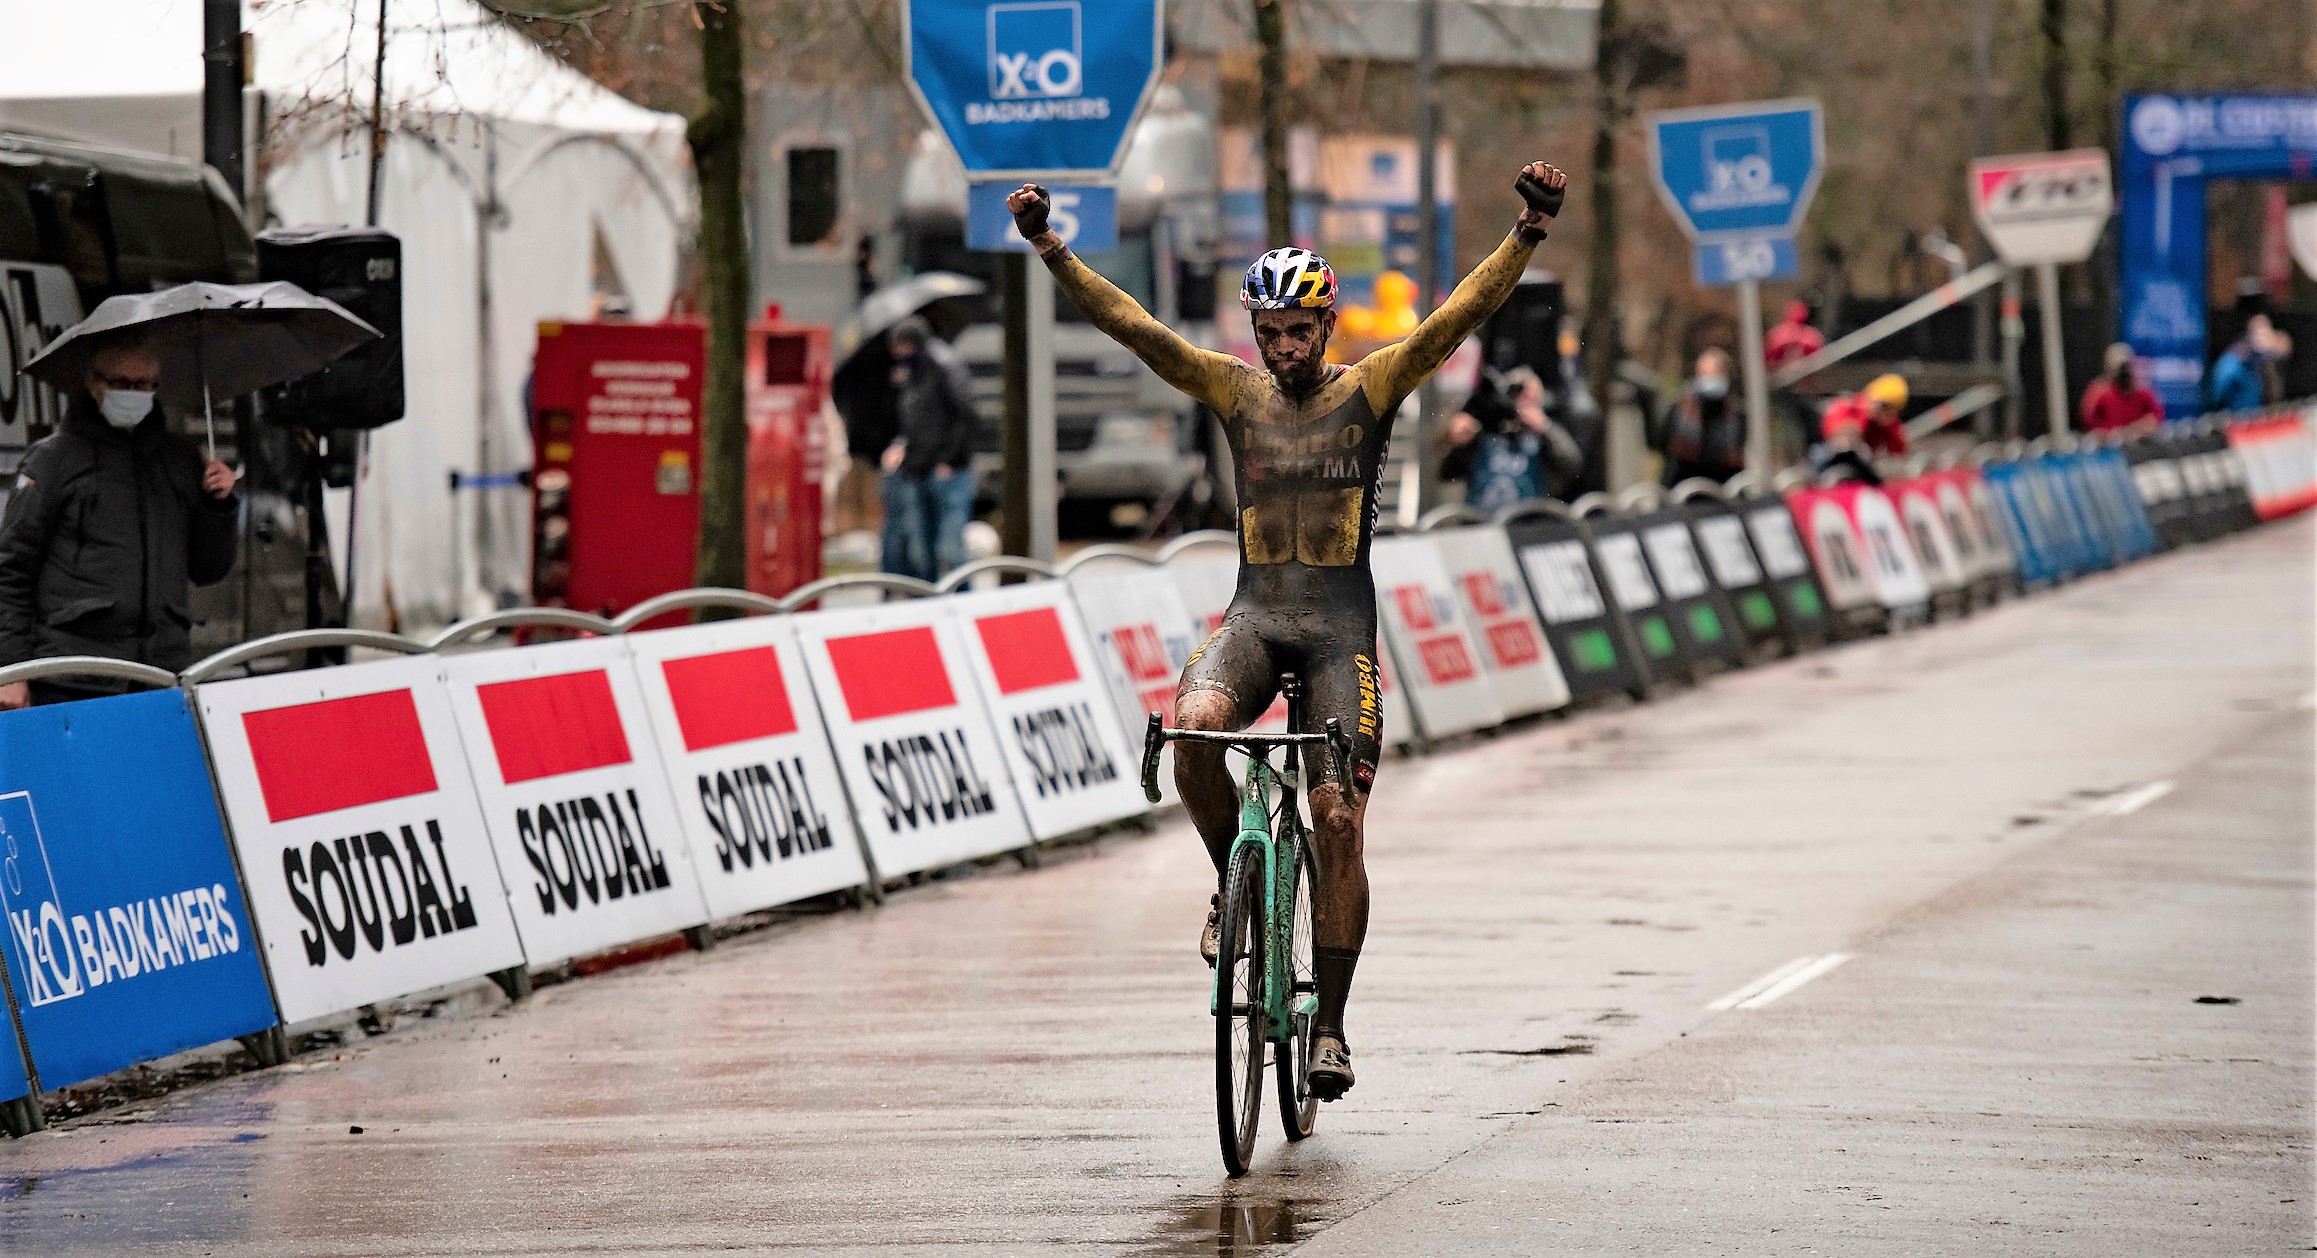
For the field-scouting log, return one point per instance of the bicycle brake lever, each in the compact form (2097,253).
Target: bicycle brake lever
(1342,747)
(1154,740)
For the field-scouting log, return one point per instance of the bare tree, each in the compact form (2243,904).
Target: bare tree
(1271,34)
(717,132)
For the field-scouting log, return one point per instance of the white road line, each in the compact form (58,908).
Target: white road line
(2132,801)
(1767,981)
(1794,980)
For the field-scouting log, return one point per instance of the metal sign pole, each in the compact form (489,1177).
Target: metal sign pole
(2055,368)
(1038,292)
(1760,456)
(2014,332)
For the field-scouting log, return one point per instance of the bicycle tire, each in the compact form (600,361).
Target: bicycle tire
(1298,1108)
(1239,1043)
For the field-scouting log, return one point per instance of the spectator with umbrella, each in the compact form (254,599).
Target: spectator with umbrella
(114,518)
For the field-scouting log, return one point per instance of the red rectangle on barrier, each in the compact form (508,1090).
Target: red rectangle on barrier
(729,697)
(1027,649)
(1445,660)
(340,753)
(1415,607)
(1481,589)
(887,674)
(542,727)
(1514,642)
(1142,651)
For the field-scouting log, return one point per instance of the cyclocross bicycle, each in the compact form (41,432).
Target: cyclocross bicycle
(1264,992)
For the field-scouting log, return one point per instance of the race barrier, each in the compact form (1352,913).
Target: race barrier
(224,857)
(1587,629)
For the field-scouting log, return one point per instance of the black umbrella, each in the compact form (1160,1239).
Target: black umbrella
(889,305)
(213,340)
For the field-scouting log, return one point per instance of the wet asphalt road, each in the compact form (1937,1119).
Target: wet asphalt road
(2013,1058)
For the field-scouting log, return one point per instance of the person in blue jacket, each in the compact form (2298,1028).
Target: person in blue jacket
(2236,381)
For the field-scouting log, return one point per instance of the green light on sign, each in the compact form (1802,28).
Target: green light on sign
(1704,625)
(1756,611)
(1592,651)
(1805,600)
(1655,637)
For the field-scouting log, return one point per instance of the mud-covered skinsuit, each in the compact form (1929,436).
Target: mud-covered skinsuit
(1307,470)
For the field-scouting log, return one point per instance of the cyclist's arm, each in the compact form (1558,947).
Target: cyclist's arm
(1393,372)
(1208,377)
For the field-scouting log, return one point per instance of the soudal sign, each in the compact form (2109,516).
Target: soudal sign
(1032,658)
(2043,207)
(370,869)
(1427,633)
(757,793)
(1486,581)
(912,737)
(126,936)
(1142,638)
(574,797)
(1206,578)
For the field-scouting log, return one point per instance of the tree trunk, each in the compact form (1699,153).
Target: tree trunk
(1271,69)
(1601,334)
(2057,132)
(717,133)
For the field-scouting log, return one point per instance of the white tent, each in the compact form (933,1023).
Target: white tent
(519,187)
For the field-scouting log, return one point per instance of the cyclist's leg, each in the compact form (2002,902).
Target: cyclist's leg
(1228,682)
(1341,683)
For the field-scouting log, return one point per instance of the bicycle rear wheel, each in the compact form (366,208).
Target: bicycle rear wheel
(1298,1108)
(1239,982)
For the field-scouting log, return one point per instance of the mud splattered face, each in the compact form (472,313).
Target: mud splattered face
(1294,345)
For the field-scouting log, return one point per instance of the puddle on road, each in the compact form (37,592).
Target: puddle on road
(1234,1227)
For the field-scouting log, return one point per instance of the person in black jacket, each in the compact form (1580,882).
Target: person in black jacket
(930,465)
(113,520)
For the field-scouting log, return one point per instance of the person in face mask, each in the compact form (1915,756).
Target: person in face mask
(111,521)
(1705,429)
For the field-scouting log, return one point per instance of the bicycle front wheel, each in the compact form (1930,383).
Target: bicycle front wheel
(1239,985)
(1298,1108)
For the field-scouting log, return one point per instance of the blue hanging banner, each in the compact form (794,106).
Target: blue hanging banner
(1033,87)
(126,934)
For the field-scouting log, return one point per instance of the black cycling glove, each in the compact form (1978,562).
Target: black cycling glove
(1030,220)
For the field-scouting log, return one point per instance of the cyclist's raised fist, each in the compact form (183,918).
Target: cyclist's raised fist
(1029,205)
(1543,187)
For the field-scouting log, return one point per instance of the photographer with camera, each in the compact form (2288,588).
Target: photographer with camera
(1505,448)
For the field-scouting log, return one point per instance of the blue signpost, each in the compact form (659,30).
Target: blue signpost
(1034,89)
(1043,91)
(1738,179)
(1085,217)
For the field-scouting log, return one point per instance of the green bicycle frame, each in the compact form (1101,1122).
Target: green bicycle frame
(1255,830)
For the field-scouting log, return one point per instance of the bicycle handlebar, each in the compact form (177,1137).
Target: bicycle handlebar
(1157,735)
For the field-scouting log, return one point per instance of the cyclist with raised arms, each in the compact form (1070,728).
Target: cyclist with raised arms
(1307,444)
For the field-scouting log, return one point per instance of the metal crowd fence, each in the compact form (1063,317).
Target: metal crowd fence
(233,852)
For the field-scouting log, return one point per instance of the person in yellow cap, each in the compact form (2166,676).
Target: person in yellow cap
(1868,419)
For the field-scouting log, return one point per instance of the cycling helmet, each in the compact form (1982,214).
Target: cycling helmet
(1289,279)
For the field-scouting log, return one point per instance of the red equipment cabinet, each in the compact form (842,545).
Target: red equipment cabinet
(615,426)
(788,385)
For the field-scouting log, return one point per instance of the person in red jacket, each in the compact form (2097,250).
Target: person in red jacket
(1794,339)
(1868,419)
(2117,399)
